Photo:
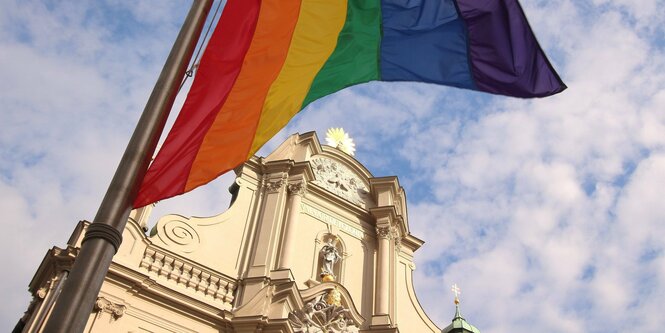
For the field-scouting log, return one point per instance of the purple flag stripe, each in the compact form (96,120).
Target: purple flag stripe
(505,56)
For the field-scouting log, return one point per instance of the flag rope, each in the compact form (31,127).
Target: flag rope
(190,71)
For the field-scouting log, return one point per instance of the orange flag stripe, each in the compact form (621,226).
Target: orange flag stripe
(313,42)
(168,173)
(234,127)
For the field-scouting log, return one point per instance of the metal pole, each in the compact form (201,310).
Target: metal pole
(103,237)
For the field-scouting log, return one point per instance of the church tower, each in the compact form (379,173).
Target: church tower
(312,242)
(459,324)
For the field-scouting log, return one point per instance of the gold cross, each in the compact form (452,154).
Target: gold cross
(455,289)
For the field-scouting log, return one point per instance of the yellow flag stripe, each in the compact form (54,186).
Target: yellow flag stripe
(314,40)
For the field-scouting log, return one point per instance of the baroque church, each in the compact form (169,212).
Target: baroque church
(312,242)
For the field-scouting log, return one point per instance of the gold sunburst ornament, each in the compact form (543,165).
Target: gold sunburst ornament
(336,137)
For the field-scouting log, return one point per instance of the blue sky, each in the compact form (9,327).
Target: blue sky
(548,213)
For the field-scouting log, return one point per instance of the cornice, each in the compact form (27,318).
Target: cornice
(302,170)
(77,234)
(278,166)
(385,212)
(412,242)
(285,168)
(310,139)
(390,182)
(55,260)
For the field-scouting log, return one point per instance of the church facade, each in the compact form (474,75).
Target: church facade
(312,242)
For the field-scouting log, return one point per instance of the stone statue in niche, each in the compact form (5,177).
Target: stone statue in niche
(329,257)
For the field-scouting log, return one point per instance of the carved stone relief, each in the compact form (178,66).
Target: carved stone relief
(178,233)
(41,293)
(389,233)
(298,188)
(340,180)
(320,317)
(398,243)
(115,310)
(274,185)
(383,232)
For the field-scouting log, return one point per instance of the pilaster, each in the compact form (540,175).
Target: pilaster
(283,186)
(389,238)
(296,190)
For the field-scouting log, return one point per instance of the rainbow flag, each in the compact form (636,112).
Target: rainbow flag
(268,59)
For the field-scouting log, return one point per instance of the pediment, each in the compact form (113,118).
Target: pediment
(334,170)
(342,178)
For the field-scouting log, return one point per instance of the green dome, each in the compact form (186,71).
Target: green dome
(459,324)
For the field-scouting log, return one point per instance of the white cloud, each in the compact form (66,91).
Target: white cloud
(71,94)
(547,212)
(544,194)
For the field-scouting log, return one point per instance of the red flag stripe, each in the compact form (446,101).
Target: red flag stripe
(216,75)
(228,140)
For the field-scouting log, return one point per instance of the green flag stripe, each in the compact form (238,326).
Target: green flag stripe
(356,56)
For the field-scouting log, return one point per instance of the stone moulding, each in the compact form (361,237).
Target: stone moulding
(114,309)
(194,278)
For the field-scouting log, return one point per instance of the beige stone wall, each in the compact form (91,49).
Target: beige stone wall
(117,311)
(257,265)
(358,266)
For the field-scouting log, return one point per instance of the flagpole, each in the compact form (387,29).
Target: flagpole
(103,237)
